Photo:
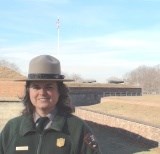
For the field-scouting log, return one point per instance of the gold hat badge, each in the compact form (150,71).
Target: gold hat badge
(60,142)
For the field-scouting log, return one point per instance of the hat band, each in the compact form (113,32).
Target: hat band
(45,76)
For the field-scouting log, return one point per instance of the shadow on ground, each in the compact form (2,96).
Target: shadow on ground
(118,141)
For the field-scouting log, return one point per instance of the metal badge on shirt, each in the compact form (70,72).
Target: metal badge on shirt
(60,142)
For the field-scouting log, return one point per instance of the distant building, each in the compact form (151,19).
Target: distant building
(116,81)
(88,81)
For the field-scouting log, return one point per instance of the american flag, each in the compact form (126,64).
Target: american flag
(58,23)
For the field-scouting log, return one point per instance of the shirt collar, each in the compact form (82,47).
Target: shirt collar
(51,115)
(28,125)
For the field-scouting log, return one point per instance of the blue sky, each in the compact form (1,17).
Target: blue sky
(97,39)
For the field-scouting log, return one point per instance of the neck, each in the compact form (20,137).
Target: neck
(43,113)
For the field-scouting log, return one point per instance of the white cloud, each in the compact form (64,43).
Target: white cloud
(98,57)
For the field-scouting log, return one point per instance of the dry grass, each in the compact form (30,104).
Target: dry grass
(8,73)
(8,111)
(138,108)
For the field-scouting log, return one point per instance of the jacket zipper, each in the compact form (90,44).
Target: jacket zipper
(39,144)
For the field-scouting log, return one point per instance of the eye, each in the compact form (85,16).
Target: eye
(49,87)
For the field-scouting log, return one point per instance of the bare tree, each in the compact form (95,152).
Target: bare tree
(9,65)
(76,77)
(145,77)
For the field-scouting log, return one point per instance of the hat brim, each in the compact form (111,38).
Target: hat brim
(58,80)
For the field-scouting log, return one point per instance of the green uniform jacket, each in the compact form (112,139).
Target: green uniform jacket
(67,135)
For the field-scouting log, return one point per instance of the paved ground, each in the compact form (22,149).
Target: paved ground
(115,143)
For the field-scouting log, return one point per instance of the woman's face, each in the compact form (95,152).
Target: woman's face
(44,96)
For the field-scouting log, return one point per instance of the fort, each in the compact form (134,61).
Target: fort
(84,94)
(92,94)
(81,93)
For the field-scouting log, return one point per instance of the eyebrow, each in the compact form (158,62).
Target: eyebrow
(46,84)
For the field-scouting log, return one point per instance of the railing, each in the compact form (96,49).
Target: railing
(121,94)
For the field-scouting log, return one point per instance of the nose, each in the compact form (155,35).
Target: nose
(42,90)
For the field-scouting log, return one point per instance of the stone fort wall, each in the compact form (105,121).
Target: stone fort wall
(141,132)
(92,95)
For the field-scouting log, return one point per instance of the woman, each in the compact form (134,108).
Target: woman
(47,125)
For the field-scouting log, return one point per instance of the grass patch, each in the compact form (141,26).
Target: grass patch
(143,109)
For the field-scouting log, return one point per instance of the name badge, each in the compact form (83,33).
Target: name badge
(22,148)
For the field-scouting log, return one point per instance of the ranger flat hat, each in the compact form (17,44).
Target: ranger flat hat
(45,67)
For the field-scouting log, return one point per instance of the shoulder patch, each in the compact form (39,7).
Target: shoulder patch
(90,140)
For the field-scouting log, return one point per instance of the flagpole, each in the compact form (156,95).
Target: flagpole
(58,26)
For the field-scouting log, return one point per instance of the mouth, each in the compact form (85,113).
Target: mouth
(43,99)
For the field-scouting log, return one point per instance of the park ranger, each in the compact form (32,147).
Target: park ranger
(47,125)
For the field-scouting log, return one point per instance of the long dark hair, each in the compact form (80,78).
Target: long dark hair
(63,105)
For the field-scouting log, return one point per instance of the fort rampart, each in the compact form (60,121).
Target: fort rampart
(135,130)
(92,95)
(80,95)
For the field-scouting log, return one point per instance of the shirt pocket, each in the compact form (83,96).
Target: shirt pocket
(57,142)
(25,144)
